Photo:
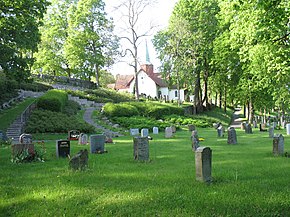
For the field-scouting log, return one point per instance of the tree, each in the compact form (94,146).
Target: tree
(19,35)
(133,30)
(91,44)
(50,56)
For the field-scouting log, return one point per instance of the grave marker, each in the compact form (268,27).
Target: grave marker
(25,138)
(194,140)
(80,160)
(141,148)
(278,145)
(83,139)
(97,143)
(168,132)
(220,131)
(144,132)
(248,129)
(62,148)
(73,135)
(203,158)
(191,127)
(271,132)
(232,136)
(134,132)
(173,129)
(155,130)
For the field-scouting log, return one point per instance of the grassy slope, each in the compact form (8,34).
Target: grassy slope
(9,115)
(248,181)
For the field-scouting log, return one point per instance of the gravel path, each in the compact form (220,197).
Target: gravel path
(237,121)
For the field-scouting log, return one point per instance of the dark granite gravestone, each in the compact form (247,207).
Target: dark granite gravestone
(25,139)
(203,158)
(194,140)
(141,148)
(62,148)
(278,145)
(97,143)
(248,128)
(80,160)
(73,135)
(232,136)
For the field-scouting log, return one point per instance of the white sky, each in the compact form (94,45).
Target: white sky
(159,14)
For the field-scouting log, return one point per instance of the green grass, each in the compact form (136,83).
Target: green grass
(247,180)
(9,115)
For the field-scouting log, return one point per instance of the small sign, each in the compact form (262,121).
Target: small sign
(62,148)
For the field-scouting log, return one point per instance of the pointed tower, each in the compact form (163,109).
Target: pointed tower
(147,67)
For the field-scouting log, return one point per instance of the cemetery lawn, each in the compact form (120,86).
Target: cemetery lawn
(247,180)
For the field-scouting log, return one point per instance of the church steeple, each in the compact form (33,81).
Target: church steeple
(147,55)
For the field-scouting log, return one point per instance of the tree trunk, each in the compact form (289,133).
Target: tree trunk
(97,75)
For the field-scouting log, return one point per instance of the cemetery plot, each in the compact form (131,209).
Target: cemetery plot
(141,148)
(62,148)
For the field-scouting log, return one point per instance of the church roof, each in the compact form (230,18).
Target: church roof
(123,81)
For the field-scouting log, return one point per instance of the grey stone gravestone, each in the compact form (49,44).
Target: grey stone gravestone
(3,136)
(25,138)
(271,132)
(278,145)
(141,148)
(220,131)
(83,139)
(248,129)
(155,130)
(203,158)
(194,140)
(168,132)
(191,127)
(134,132)
(80,160)
(288,129)
(97,143)
(62,148)
(232,136)
(144,132)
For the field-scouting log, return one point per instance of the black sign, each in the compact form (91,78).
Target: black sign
(62,148)
(73,135)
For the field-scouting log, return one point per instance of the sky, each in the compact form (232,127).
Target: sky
(158,14)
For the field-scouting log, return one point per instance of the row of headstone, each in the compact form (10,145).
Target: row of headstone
(145,131)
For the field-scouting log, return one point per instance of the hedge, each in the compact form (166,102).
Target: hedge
(53,100)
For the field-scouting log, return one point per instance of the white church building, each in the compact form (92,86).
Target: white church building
(149,83)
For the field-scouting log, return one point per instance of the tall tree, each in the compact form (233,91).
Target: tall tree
(19,35)
(133,30)
(91,43)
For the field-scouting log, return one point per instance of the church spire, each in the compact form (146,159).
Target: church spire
(147,54)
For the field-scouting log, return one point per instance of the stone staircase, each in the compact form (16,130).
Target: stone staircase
(15,130)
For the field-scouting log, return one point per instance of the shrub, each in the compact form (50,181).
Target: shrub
(53,100)
(42,121)
(71,108)
(120,110)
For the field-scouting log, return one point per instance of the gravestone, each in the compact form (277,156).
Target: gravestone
(62,148)
(173,129)
(141,148)
(80,160)
(144,132)
(278,145)
(168,132)
(194,140)
(155,130)
(232,136)
(191,127)
(83,139)
(134,132)
(248,128)
(97,143)
(25,138)
(220,131)
(288,129)
(3,136)
(203,158)
(271,132)
(73,135)
(17,149)
(109,137)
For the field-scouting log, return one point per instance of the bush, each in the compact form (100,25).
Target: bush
(71,108)
(53,100)
(42,121)
(120,110)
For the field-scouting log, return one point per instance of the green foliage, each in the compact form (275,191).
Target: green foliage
(102,95)
(182,120)
(45,121)
(152,109)
(27,156)
(71,108)
(140,122)
(53,100)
